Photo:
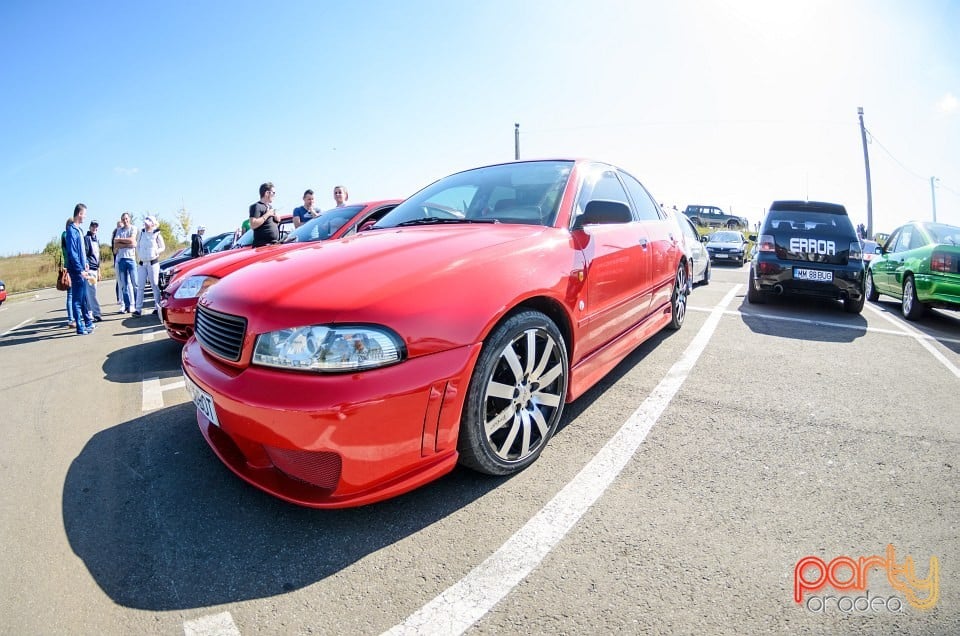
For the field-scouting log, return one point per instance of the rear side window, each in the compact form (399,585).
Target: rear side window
(645,207)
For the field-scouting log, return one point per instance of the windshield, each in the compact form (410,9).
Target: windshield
(818,222)
(727,237)
(322,227)
(524,192)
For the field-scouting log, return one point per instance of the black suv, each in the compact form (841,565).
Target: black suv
(712,216)
(808,248)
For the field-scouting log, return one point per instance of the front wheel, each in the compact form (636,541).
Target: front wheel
(910,305)
(871,290)
(678,301)
(516,395)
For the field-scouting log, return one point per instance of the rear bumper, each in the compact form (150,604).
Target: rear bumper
(775,276)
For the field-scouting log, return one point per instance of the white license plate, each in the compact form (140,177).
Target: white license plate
(813,274)
(720,256)
(202,399)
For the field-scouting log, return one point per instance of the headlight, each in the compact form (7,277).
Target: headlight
(329,348)
(194,286)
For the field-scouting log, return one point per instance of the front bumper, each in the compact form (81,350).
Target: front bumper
(332,441)
(178,316)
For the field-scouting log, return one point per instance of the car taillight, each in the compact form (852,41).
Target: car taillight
(942,262)
(856,251)
(767,244)
(763,267)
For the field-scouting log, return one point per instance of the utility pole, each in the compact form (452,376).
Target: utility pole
(933,197)
(866,163)
(516,141)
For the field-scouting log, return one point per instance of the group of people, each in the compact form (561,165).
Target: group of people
(265,221)
(136,260)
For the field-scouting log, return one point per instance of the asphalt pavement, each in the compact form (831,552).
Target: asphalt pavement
(678,496)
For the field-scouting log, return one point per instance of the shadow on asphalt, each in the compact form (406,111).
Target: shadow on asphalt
(803,319)
(162,525)
(940,324)
(158,358)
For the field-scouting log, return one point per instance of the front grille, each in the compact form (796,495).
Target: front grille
(164,279)
(220,334)
(317,468)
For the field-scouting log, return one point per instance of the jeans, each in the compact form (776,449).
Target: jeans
(127,279)
(92,303)
(70,302)
(81,310)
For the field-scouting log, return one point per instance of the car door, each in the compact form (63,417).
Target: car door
(698,253)
(892,263)
(617,271)
(665,243)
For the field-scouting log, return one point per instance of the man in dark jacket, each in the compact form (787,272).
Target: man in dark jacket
(77,267)
(197,247)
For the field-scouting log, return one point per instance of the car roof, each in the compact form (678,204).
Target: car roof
(809,206)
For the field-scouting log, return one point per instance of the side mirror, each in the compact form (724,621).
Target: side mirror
(602,212)
(705,238)
(878,250)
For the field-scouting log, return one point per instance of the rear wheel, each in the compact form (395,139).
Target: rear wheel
(706,274)
(515,397)
(678,302)
(853,306)
(871,290)
(912,308)
(754,295)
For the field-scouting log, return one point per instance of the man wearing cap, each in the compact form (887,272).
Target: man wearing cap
(196,243)
(150,246)
(92,248)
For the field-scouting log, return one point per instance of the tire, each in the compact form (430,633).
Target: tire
(732,225)
(516,395)
(754,295)
(854,306)
(678,301)
(871,290)
(706,273)
(912,308)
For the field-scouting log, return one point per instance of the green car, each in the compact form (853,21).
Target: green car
(919,265)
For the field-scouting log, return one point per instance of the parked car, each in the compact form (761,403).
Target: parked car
(228,241)
(871,249)
(728,246)
(210,244)
(712,216)
(3,292)
(178,301)
(919,266)
(697,257)
(350,371)
(808,248)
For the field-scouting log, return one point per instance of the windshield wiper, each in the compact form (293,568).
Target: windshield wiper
(432,220)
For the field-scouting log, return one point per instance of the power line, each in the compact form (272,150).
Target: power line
(873,138)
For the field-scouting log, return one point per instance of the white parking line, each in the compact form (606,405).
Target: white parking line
(214,625)
(918,336)
(12,329)
(465,602)
(150,335)
(153,392)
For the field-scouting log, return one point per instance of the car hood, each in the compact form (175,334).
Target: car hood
(220,264)
(437,287)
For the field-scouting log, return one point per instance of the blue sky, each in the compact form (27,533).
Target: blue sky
(147,107)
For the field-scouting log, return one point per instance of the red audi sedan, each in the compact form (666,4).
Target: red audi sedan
(178,300)
(455,330)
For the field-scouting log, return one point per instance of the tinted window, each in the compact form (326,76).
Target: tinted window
(600,184)
(645,207)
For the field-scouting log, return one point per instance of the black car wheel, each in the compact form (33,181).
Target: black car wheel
(754,295)
(678,301)
(706,274)
(912,308)
(871,291)
(516,395)
(853,306)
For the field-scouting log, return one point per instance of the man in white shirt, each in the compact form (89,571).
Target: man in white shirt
(150,246)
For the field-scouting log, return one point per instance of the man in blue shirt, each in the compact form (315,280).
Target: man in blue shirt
(77,267)
(305,212)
